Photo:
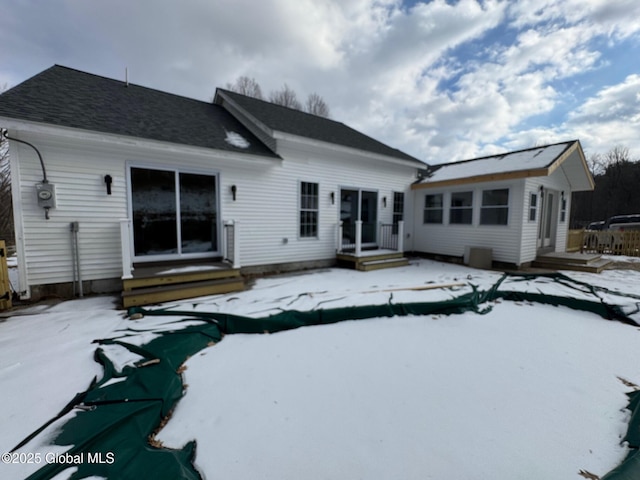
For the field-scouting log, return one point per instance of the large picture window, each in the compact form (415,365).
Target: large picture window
(174,213)
(308,210)
(495,207)
(461,210)
(433,208)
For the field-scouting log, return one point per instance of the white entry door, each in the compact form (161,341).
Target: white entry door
(548,220)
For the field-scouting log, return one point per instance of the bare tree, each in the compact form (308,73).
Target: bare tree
(596,164)
(317,106)
(6,207)
(246,86)
(286,97)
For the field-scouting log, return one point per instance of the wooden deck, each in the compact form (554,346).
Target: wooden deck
(168,282)
(582,262)
(372,259)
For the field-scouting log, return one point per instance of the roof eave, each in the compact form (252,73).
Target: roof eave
(492,177)
(279,135)
(123,140)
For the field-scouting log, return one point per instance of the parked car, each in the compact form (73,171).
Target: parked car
(595,226)
(623,222)
(608,236)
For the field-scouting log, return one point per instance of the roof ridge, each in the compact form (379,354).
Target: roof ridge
(124,83)
(226,90)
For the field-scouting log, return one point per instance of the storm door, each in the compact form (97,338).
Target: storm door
(174,214)
(357,204)
(548,219)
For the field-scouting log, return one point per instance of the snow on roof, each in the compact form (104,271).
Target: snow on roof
(533,159)
(236,140)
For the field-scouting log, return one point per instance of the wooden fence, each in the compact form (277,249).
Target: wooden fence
(5,289)
(605,241)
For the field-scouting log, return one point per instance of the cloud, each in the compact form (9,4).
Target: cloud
(612,117)
(438,79)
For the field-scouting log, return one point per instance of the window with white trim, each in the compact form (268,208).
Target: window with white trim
(495,207)
(398,209)
(563,209)
(433,208)
(533,206)
(308,210)
(461,208)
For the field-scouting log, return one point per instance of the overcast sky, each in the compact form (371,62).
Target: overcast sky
(441,80)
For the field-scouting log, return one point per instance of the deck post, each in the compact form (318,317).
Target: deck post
(125,246)
(236,245)
(358,237)
(401,236)
(339,239)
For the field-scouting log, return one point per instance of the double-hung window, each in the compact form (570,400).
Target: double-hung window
(433,208)
(495,207)
(461,210)
(308,210)
(533,206)
(398,209)
(563,209)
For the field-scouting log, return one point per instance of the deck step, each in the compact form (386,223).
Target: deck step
(573,258)
(181,291)
(373,260)
(592,266)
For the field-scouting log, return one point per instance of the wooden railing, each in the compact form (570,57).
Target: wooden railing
(125,246)
(606,241)
(575,240)
(390,237)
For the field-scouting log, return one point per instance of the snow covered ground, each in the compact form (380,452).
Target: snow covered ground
(525,391)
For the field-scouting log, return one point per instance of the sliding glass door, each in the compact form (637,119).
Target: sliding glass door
(174,214)
(356,204)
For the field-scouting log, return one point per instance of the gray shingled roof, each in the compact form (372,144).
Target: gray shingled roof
(296,122)
(66,97)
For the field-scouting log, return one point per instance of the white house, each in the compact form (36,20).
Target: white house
(117,186)
(118,183)
(516,204)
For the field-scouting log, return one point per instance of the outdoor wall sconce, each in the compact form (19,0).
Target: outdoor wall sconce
(108,180)
(384,202)
(541,189)
(234,189)
(562,195)
(333,198)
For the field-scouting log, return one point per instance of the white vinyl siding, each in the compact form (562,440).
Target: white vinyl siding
(452,239)
(266,207)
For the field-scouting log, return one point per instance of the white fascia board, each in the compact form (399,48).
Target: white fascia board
(350,150)
(123,140)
